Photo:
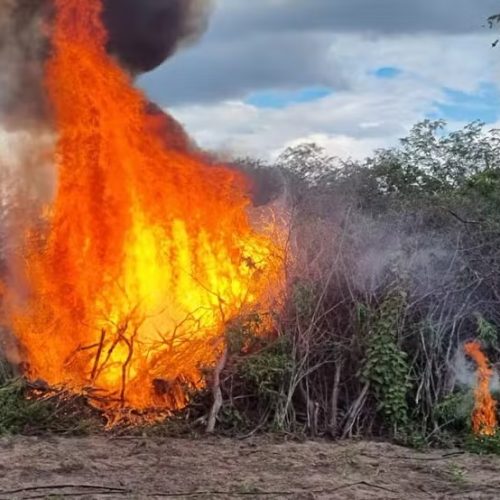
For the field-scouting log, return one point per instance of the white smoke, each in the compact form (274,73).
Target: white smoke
(22,44)
(463,371)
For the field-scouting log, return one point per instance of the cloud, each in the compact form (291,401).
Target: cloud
(370,111)
(381,66)
(284,98)
(239,17)
(221,70)
(347,123)
(288,43)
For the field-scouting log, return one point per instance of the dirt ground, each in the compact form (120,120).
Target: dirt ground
(116,468)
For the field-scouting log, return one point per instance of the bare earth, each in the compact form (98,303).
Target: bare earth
(106,467)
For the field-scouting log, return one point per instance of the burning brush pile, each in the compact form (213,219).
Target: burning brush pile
(140,279)
(130,271)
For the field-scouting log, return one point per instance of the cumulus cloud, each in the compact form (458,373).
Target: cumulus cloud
(289,43)
(222,69)
(361,114)
(432,46)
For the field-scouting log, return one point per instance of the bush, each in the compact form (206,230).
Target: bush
(483,445)
(21,413)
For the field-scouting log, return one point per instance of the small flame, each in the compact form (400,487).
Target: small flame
(484,418)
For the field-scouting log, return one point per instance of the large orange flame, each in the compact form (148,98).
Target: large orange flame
(148,250)
(484,418)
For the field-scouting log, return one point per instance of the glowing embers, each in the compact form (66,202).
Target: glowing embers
(147,250)
(484,419)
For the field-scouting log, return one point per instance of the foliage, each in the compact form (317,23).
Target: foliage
(266,371)
(255,386)
(455,410)
(401,254)
(487,332)
(483,445)
(492,21)
(495,18)
(386,366)
(17,412)
(308,162)
(5,371)
(20,413)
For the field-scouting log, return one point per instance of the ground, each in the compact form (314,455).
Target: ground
(117,467)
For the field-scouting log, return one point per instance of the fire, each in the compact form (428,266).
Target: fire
(484,418)
(147,249)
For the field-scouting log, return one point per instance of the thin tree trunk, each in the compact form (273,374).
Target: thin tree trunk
(335,400)
(217,393)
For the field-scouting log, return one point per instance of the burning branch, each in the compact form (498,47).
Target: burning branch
(98,356)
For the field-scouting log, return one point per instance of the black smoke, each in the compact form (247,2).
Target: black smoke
(142,35)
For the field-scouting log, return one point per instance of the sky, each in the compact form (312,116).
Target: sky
(350,75)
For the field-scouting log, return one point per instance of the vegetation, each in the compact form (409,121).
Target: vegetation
(396,263)
(22,412)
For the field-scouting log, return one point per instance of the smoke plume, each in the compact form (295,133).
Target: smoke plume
(142,34)
(23,49)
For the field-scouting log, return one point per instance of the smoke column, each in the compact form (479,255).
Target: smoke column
(142,35)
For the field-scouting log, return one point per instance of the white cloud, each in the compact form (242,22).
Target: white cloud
(369,113)
(457,61)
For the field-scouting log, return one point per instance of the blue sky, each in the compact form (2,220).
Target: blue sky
(482,104)
(387,72)
(456,105)
(352,75)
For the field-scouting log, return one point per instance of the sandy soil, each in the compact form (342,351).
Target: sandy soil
(109,468)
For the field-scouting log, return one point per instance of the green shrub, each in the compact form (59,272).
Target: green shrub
(20,413)
(6,372)
(386,366)
(483,445)
(17,413)
(266,372)
(455,410)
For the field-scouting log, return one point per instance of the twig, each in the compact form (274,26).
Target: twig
(77,494)
(98,356)
(232,494)
(64,487)
(425,459)
(354,411)
(255,494)
(463,221)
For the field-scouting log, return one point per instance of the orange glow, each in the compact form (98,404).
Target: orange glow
(148,248)
(484,418)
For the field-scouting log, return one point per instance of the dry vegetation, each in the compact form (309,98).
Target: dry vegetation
(394,263)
